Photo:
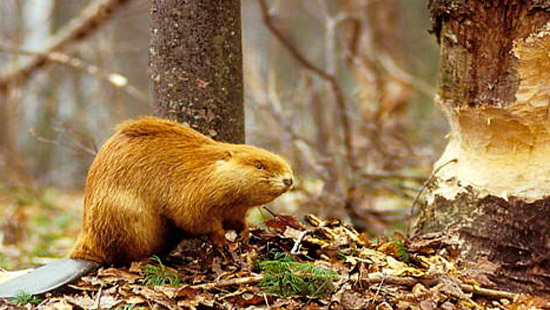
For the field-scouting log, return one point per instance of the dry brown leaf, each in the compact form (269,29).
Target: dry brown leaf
(113,274)
(187,292)
(245,300)
(155,296)
(384,306)
(84,302)
(428,304)
(354,300)
(134,300)
(57,304)
(282,221)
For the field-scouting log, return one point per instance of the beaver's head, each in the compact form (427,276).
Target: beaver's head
(259,176)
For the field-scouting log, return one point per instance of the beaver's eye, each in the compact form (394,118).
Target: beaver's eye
(260,167)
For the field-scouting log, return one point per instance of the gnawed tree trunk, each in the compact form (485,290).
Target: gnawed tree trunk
(492,191)
(196,62)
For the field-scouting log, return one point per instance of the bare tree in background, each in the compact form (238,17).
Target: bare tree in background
(196,59)
(491,190)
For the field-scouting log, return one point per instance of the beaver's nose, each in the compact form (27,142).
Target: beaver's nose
(288,182)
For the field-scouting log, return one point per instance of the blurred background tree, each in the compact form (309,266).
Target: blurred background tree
(343,89)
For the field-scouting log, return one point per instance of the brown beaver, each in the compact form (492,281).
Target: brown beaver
(155,181)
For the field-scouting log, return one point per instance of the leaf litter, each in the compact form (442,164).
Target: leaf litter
(312,264)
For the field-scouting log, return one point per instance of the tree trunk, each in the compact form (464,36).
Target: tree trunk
(491,193)
(196,62)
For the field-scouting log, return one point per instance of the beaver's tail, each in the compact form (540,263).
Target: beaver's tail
(47,278)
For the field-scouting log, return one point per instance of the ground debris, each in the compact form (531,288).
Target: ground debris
(390,273)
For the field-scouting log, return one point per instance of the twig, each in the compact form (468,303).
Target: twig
(280,217)
(423,188)
(266,301)
(97,302)
(271,103)
(93,16)
(83,140)
(115,79)
(410,282)
(77,147)
(224,283)
(390,175)
(468,288)
(58,142)
(314,294)
(294,250)
(378,290)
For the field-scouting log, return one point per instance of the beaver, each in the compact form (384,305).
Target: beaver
(156,181)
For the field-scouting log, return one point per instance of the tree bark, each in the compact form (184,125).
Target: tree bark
(492,188)
(196,61)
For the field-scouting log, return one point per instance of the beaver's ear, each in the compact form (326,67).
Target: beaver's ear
(227,155)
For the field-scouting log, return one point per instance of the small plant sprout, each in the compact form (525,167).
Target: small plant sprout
(159,274)
(23,298)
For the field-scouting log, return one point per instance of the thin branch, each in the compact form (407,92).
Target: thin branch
(297,243)
(224,283)
(391,175)
(410,282)
(78,146)
(423,188)
(93,16)
(115,79)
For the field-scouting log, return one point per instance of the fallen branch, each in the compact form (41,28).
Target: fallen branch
(224,283)
(410,282)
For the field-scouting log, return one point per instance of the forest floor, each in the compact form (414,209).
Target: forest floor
(37,225)
(313,264)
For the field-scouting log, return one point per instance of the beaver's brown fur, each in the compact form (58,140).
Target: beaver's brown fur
(155,181)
